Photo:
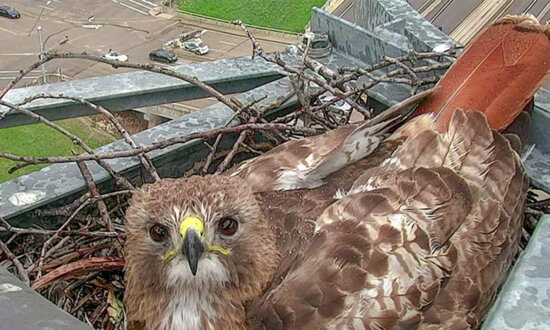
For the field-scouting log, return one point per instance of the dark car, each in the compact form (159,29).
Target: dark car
(9,12)
(163,55)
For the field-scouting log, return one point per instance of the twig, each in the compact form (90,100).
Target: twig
(539,204)
(123,182)
(23,275)
(84,265)
(414,77)
(145,160)
(92,199)
(33,231)
(22,74)
(232,153)
(161,144)
(256,47)
(214,147)
(152,68)
(95,192)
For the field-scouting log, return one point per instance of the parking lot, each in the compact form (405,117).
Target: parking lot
(96,27)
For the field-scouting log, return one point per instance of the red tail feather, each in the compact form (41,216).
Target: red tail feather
(498,73)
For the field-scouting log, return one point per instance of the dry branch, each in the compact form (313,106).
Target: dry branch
(79,267)
(161,144)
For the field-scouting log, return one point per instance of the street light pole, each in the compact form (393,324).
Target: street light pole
(44,79)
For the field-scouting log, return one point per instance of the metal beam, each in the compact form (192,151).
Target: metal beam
(131,90)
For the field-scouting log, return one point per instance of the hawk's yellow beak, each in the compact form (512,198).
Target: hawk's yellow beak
(192,230)
(194,223)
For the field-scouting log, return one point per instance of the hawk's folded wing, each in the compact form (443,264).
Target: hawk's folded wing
(423,239)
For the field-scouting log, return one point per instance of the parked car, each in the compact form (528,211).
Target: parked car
(163,55)
(115,56)
(196,46)
(340,110)
(9,12)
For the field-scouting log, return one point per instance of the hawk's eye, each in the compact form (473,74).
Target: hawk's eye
(228,226)
(158,232)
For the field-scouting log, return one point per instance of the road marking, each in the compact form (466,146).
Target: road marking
(12,78)
(440,11)
(484,14)
(140,4)
(12,71)
(430,8)
(150,3)
(544,12)
(227,43)
(347,9)
(130,7)
(9,31)
(19,54)
(529,7)
(217,50)
(424,5)
(46,7)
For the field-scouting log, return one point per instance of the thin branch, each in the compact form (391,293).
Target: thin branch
(123,182)
(161,144)
(23,275)
(145,160)
(89,201)
(33,231)
(232,153)
(214,147)
(95,192)
(151,68)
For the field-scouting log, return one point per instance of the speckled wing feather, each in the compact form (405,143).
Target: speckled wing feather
(306,162)
(424,240)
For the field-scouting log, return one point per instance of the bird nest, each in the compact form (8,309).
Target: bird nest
(82,273)
(75,257)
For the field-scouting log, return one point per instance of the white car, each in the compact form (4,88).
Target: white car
(196,46)
(115,56)
(340,109)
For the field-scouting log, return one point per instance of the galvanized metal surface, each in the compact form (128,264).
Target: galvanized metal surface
(524,300)
(22,308)
(140,89)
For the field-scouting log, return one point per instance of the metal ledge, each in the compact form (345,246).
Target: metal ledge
(138,89)
(23,308)
(524,300)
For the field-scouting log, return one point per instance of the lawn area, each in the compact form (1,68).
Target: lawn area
(40,140)
(288,15)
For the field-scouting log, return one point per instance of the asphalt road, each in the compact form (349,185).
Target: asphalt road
(126,26)
(346,10)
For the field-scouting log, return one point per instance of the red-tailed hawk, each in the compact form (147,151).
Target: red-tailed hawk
(319,234)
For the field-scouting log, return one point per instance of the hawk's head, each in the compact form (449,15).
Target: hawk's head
(195,243)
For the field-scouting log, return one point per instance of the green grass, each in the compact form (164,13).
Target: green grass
(40,141)
(288,15)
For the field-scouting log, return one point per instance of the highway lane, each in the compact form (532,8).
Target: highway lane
(346,10)
(416,4)
(448,14)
